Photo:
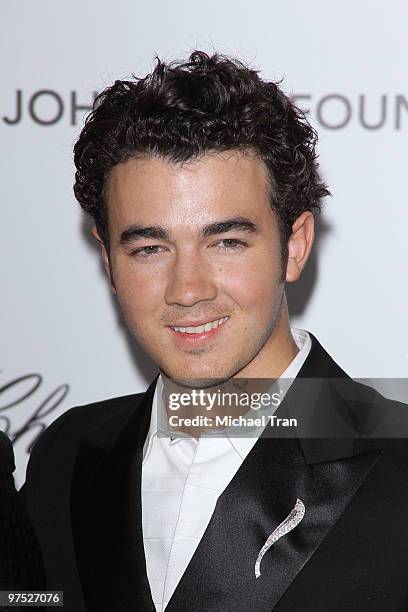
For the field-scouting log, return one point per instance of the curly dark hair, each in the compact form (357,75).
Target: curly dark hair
(183,110)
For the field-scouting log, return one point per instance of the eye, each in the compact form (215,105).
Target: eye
(147,251)
(232,244)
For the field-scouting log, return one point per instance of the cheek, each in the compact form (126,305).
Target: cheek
(139,294)
(253,284)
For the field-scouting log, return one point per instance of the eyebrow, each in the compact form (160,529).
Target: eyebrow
(158,232)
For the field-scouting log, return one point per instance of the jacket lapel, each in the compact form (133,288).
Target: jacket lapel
(221,574)
(106,513)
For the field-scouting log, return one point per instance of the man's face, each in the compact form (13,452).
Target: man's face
(192,244)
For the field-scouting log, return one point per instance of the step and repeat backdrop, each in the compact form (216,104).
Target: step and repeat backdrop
(63,342)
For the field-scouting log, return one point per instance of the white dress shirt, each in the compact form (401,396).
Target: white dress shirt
(182,479)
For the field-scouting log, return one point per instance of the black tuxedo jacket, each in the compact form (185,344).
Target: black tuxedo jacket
(349,553)
(21,565)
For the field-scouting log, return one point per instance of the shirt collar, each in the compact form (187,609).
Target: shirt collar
(159,421)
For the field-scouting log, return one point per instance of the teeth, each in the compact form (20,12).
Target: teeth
(201,328)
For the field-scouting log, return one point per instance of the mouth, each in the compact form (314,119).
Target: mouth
(189,334)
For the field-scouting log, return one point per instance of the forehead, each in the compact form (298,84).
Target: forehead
(154,189)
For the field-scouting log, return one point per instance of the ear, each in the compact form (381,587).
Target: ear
(105,257)
(299,245)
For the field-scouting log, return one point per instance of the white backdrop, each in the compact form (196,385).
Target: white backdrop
(62,339)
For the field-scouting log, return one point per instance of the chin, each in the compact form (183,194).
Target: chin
(196,379)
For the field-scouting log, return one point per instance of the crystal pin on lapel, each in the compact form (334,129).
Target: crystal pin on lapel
(290,522)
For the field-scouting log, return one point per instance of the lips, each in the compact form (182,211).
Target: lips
(199,328)
(197,334)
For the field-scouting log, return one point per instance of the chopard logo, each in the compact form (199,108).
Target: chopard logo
(25,410)
(330,111)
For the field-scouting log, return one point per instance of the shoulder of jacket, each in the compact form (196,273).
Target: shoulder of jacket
(77,421)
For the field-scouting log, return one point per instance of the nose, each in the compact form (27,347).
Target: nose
(190,281)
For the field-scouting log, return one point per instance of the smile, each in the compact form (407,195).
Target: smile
(199,329)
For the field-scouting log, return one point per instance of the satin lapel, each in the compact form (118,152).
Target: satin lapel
(221,574)
(323,474)
(106,514)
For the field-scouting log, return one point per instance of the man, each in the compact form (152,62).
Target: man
(203,183)
(21,566)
